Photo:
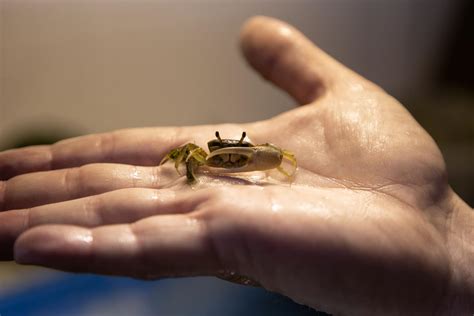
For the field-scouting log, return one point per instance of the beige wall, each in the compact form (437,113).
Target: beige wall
(99,65)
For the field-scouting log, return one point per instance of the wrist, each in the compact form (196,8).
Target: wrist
(460,244)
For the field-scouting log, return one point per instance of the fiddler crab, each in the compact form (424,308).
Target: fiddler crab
(230,156)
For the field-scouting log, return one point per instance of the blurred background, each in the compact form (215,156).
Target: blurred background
(75,67)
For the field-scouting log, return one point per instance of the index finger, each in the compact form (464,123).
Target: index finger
(144,146)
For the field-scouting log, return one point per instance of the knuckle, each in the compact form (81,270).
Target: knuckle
(155,177)
(82,180)
(29,220)
(83,177)
(107,144)
(70,183)
(76,181)
(92,210)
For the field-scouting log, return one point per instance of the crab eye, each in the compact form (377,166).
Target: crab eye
(218,136)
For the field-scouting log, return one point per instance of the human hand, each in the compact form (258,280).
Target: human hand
(368,226)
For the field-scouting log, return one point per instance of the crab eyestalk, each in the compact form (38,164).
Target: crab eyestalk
(244,134)
(218,136)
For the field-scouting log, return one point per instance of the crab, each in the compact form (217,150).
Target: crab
(230,156)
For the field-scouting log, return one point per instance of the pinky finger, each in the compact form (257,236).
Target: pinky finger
(159,246)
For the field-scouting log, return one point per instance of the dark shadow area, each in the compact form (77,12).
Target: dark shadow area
(446,110)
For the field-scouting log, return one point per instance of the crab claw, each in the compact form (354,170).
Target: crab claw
(257,158)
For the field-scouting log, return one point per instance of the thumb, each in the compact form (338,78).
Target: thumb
(283,55)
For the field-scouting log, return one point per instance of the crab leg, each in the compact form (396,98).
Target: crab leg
(290,157)
(195,158)
(287,155)
(177,155)
(197,153)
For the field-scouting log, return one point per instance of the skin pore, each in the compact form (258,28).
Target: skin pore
(369,225)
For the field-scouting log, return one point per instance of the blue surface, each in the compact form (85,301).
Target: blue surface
(81,295)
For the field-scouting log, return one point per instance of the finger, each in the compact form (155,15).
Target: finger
(159,246)
(121,206)
(47,187)
(143,146)
(283,55)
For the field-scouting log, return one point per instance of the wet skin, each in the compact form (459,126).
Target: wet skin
(369,226)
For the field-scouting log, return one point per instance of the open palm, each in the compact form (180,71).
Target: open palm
(361,230)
